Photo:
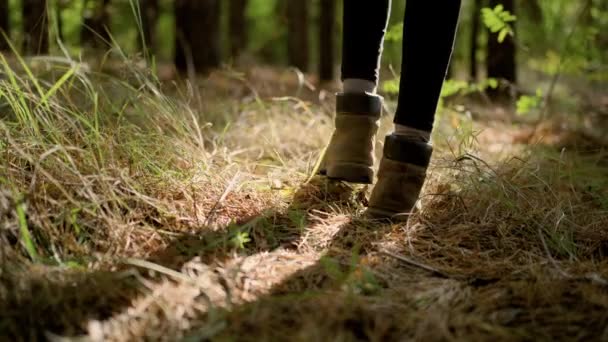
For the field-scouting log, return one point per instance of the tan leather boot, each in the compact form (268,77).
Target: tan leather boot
(350,154)
(400,178)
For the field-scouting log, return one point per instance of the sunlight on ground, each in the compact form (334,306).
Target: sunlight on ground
(129,214)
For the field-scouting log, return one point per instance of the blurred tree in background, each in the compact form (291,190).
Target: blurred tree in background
(501,56)
(96,24)
(4,23)
(148,11)
(35,27)
(238,27)
(327,27)
(197,38)
(298,40)
(543,37)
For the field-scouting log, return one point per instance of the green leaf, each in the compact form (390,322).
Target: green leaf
(497,21)
(453,87)
(240,239)
(526,103)
(502,35)
(492,83)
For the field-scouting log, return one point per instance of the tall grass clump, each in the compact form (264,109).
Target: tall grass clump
(540,207)
(88,160)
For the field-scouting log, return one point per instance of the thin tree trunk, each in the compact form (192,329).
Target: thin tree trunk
(532,9)
(35,27)
(327,40)
(96,25)
(475,21)
(297,34)
(149,17)
(238,25)
(197,46)
(5,25)
(501,63)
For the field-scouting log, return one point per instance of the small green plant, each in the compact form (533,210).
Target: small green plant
(240,239)
(362,281)
(498,21)
(462,88)
(298,219)
(356,279)
(527,103)
(450,87)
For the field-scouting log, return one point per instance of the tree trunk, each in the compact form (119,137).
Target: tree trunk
(35,27)
(532,9)
(297,34)
(197,46)
(238,32)
(5,25)
(475,21)
(96,25)
(327,40)
(501,63)
(149,17)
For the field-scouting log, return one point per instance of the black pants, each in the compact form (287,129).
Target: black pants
(428,39)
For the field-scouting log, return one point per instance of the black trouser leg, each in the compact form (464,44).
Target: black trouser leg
(428,39)
(365,24)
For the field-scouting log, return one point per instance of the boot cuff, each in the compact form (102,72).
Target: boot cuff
(359,104)
(406,150)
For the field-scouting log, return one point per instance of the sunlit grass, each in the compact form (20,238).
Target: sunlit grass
(131,209)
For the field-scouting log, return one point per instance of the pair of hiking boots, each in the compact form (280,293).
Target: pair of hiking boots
(350,157)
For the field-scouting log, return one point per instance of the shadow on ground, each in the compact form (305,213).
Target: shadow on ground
(511,252)
(492,258)
(64,302)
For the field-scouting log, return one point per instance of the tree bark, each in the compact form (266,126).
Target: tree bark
(35,27)
(532,9)
(475,21)
(501,59)
(5,25)
(197,46)
(297,34)
(238,25)
(96,25)
(149,17)
(327,40)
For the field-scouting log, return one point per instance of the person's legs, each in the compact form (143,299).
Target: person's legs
(349,156)
(365,24)
(428,38)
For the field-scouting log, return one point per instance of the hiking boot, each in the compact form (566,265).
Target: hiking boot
(350,154)
(401,175)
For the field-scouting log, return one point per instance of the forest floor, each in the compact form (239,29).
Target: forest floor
(127,214)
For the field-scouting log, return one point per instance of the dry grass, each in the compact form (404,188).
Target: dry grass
(128,214)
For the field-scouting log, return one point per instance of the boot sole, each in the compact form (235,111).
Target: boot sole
(351,172)
(386,215)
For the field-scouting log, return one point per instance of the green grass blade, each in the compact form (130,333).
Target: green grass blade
(58,85)
(24,65)
(26,236)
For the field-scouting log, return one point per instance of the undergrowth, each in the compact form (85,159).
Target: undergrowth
(131,209)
